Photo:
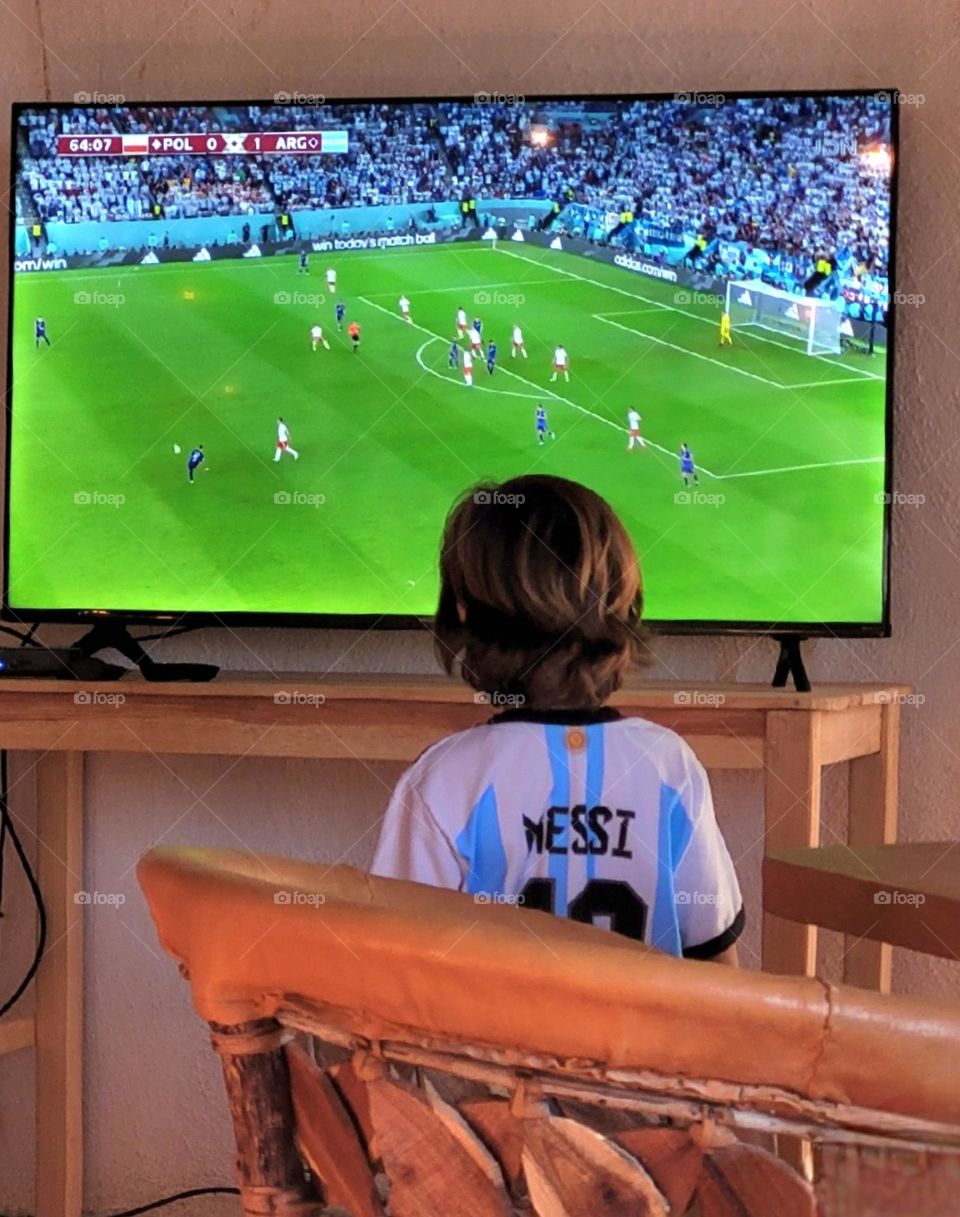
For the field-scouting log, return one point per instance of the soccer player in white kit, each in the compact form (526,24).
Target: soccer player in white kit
(283,442)
(468,369)
(561,364)
(405,310)
(517,344)
(317,338)
(461,322)
(633,425)
(331,281)
(476,342)
(559,803)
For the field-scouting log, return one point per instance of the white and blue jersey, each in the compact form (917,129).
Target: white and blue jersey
(584,814)
(686,461)
(541,419)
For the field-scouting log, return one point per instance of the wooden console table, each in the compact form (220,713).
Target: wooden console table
(790,736)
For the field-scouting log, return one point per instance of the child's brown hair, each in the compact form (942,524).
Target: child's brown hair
(540,593)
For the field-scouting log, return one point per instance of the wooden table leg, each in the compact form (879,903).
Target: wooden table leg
(59,1016)
(792,817)
(872,820)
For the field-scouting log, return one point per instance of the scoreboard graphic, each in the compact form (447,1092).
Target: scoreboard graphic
(206,143)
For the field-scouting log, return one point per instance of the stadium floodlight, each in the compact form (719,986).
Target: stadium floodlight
(811,320)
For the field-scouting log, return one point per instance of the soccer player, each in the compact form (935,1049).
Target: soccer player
(303,268)
(476,342)
(283,442)
(454,357)
(518,343)
(725,339)
(317,338)
(633,424)
(491,356)
(461,322)
(561,363)
(40,333)
(353,331)
(332,281)
(543,429)
(405,310)
(340,311)
(468,369)
(687,468)
(194,460)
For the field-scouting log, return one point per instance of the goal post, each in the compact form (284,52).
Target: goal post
(811,320)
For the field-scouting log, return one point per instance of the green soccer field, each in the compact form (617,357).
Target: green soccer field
(786,527)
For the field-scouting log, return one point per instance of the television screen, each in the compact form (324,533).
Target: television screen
(258,349)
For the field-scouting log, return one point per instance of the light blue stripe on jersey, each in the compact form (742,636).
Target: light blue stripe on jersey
(559,797)
(481,846)
(674,831)
(594,783)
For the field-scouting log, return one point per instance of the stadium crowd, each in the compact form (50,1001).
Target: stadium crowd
(768,185)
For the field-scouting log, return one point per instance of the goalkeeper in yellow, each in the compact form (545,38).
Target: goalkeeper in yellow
(725,339)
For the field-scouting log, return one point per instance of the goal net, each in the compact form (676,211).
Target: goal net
(813,321)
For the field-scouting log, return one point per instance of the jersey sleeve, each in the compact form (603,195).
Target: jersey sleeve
(412,845)
(709,904)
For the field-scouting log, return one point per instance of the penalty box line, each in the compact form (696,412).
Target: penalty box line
(610,287)
(539,389)
(540,392)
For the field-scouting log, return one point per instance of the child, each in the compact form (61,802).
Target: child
(559,802)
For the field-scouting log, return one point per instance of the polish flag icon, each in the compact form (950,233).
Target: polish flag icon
(135,144)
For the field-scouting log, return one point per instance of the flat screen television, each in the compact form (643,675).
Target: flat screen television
(185,279)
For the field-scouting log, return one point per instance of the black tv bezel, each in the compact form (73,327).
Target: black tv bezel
(369,621)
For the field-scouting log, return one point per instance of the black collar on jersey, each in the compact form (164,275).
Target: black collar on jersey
(562,718)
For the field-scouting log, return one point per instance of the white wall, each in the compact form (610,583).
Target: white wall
(155,1119)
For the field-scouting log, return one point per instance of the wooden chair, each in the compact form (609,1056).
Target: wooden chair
(392,1049)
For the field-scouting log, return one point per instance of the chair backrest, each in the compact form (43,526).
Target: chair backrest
(395,1049)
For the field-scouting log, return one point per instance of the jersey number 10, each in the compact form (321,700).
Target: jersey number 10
(600,898)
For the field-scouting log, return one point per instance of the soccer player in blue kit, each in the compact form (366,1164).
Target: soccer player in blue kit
(542,425)
(491,356)
(194,460)
(454,359)
(40,333)
(687,468)
(341,309)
